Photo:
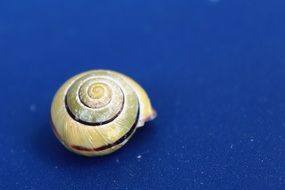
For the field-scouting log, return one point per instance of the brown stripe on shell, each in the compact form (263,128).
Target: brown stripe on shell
(93,124)
(122,139)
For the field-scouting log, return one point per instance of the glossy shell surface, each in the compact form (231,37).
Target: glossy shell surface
(96,112)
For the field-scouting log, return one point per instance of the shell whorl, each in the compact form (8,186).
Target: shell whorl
(96,112)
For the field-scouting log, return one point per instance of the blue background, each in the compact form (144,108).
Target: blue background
(214,70)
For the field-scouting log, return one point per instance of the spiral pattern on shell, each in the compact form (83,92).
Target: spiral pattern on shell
(96,112)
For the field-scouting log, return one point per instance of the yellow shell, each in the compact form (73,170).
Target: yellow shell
(96,112)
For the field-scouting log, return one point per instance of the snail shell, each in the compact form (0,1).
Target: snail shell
(97,112)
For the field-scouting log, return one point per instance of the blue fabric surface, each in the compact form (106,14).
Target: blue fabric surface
(214,70)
